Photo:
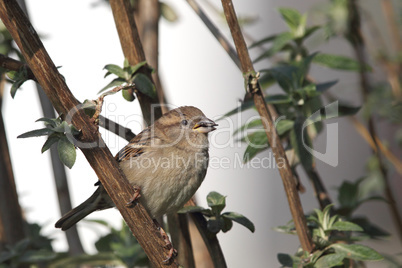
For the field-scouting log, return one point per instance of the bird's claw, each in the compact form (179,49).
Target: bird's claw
(136,195)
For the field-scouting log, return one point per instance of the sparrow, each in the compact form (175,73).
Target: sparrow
(166,163)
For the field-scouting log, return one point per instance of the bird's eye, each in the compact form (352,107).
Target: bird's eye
(184,122)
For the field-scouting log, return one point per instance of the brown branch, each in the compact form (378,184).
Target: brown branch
(90,142)
(15,65)
(266,117)
(179,231)
(356,40)
(210,239)
(134,53)
(148,28)
(11,221)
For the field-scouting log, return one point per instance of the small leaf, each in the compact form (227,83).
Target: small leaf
(128,95)
(285,259)
(114,83)
(357,252)
(34,256)
(284,125)
(36,133)
(346,226)
(168,13)
(216,202)
(263,41)
(144,85)
(117,70)
(135,68)
(278,43)
(339,62)
(237,217)
(49,121)
(67,153)
(214,226)
(291,16)
(50,141)
(300,140)
(322,87)
(227,224)
(330,260)
(16,85)
(257,142)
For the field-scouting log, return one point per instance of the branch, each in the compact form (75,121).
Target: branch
(266,117)
(90,142)
(134,53)
(15,65)
(11,221)
(215,31)
(357,42)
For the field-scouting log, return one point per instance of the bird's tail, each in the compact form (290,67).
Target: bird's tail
(97,201)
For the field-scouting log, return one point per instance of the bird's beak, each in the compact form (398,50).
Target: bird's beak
(205,125)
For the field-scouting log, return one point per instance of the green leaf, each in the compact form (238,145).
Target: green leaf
(114,83)
(330,260)
(16,85)
(168,13)
(339,62)
(128,95)
(309,31)
(227,224)
(322,87)
(215,225)
(348,195)
(299,140)
(278,43)
(135,68)
(263,41)
(346,226)
(50,141)
(216,202)
(117,70)
(144,85)
(285,76)
(190,209)
(237,217)
(49,121)
(271,99)
(291,16)
(257,142)
(36,133)
(284,125)
(286,260)
(357,252)
(67,153)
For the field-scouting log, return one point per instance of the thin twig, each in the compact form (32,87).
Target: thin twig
(215,31)
(90,143)
(266,118)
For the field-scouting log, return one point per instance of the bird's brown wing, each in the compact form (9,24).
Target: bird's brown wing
(135,147)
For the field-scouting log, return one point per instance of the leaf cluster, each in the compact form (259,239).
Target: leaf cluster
(334,240)
(131,77)
(216,220)
(59,132)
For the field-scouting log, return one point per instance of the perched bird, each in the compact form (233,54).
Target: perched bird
(167,161)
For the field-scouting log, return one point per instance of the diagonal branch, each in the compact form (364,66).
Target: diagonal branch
(254,88)
(90,141)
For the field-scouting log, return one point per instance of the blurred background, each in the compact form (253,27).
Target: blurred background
(194,69)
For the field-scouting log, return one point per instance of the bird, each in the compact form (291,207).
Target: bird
(165,163)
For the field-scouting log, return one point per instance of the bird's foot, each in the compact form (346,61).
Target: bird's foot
(136,195)
(168,245)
